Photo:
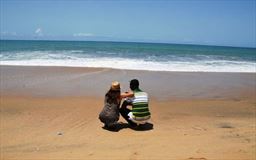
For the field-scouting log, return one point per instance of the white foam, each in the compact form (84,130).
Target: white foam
(135,64)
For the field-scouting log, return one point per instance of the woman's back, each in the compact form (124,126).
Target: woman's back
(110,112)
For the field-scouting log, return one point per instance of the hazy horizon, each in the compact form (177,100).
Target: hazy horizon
(66,40)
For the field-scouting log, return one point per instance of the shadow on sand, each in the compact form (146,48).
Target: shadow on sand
(141,127)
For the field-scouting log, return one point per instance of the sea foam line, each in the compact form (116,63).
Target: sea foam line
(133,64)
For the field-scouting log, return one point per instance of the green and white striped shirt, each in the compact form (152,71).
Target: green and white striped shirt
(140,108)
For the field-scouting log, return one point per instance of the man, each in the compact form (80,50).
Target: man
(139,113)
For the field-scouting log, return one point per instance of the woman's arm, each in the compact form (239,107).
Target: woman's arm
(127,94)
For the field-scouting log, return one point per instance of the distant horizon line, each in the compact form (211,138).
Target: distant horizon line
(168,43)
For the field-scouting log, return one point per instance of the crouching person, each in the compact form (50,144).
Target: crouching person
(110,112)
(138,100)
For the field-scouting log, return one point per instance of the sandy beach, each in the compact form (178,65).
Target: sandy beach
(52,113)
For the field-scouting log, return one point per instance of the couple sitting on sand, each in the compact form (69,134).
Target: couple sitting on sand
(138,100)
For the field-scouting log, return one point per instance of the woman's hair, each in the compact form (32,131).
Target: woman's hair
(113,96)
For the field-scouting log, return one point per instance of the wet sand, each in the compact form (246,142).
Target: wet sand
(52,113)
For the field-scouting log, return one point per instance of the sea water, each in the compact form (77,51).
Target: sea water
(128,55)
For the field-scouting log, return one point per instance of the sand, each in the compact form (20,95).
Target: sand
(52,113)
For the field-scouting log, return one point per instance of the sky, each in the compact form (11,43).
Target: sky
(206,22)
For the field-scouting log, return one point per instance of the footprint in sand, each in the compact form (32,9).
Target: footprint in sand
(134,156)
(225,125)
(192,158)
(90,154)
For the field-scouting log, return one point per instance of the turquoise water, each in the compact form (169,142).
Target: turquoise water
(129,55)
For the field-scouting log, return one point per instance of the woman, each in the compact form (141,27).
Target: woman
(110,113)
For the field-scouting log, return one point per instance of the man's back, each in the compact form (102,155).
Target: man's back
(140,108)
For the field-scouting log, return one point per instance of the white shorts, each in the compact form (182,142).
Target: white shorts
(142,121)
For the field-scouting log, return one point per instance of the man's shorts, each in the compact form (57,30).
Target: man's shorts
(138,120)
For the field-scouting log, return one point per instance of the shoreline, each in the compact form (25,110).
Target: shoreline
(139,70)
(119,69)
(84,81)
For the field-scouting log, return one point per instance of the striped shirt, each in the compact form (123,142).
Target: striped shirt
(140,108)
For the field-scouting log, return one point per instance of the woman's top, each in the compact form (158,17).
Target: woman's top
(110,112)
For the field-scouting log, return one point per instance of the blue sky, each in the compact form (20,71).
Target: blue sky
(207,22)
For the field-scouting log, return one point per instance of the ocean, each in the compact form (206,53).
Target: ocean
(128,55)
